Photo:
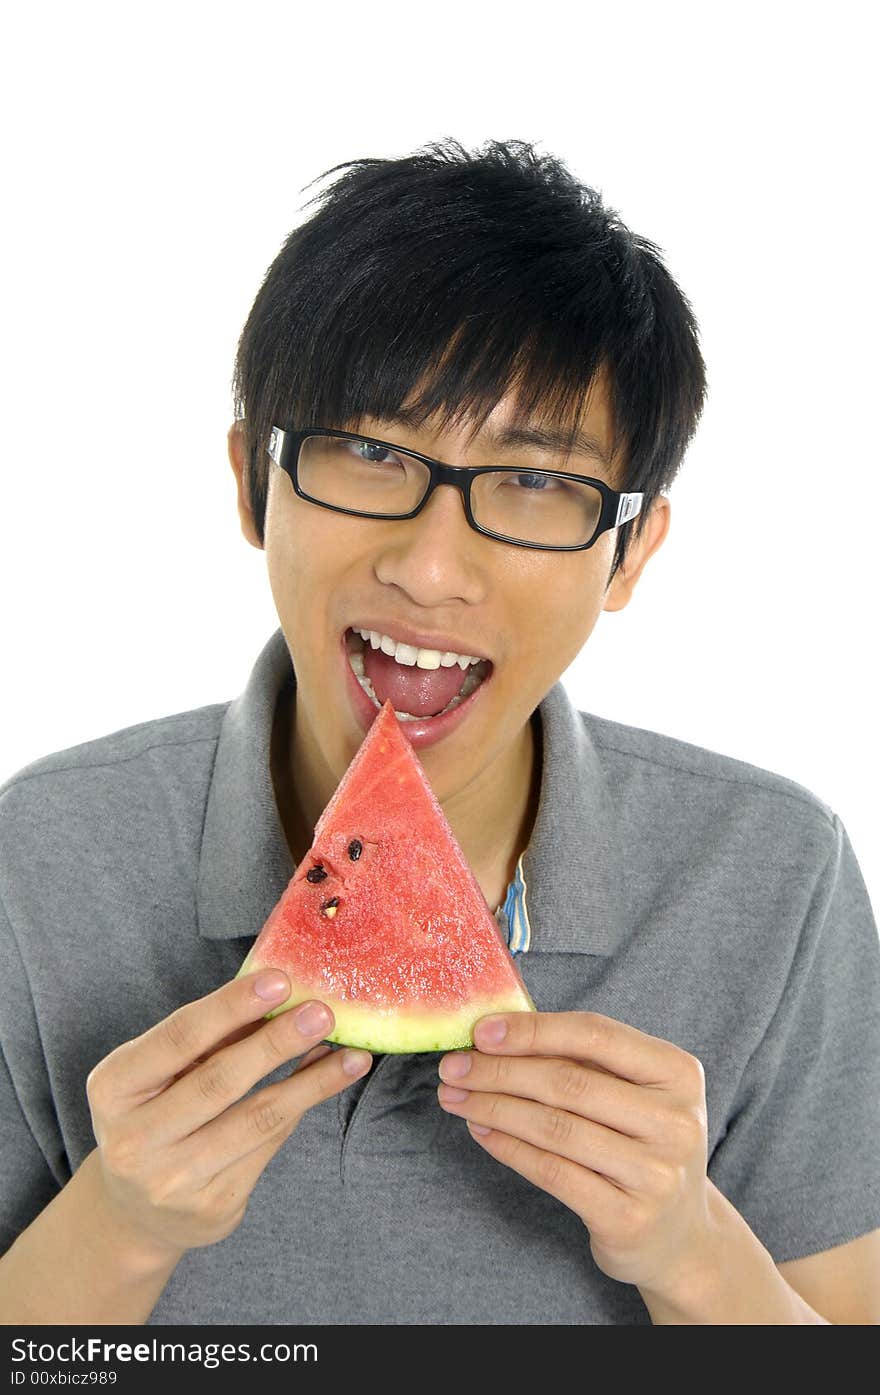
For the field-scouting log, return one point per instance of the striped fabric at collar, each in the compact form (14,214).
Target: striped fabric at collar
(513,915)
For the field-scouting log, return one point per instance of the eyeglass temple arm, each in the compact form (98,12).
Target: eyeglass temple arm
(627,507)
(276,444)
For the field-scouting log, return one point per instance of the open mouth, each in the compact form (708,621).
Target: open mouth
(423,686)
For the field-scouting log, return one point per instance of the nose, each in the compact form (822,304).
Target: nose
(434,557)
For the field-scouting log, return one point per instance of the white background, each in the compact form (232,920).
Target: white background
(156,158)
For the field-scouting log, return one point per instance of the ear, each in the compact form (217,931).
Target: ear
(640,549)
(237,447)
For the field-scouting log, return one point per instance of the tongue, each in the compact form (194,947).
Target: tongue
(422,692)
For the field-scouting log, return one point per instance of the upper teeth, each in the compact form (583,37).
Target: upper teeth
(422,658)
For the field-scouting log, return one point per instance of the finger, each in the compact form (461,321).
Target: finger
(238,1035)
(314,1054)
(604,1151)
(146,1064)
(583,1036)
(247,1031)
(563,1084)
(246,1136)
(228,1074)
(587,1193)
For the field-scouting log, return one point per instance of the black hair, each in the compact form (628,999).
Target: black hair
(446,278)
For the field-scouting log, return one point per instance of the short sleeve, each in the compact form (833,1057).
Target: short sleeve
(27,1182)
(800,1158)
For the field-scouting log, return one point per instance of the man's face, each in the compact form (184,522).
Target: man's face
(529,612)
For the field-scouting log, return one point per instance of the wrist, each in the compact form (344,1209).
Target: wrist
(694,1282)
(727,1277)
(141,1254)
(725,1262)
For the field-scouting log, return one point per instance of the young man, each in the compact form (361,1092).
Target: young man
(461,392)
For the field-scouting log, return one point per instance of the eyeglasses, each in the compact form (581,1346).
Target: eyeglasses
(367,478)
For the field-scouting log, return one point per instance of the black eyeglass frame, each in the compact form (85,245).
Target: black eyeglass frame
(617,508)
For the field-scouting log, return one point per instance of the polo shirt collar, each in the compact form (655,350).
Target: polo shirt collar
(570,865)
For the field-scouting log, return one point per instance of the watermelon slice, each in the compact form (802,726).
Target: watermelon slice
(383,919)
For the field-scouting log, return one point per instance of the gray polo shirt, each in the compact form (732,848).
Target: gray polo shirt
(701,899)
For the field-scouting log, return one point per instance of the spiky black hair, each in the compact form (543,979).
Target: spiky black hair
(447,278)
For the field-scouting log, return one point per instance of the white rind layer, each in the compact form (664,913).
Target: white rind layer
(401,1031)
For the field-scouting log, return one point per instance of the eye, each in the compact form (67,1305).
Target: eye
(533,481)
(376,455)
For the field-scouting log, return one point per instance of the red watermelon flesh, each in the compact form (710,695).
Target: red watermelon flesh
(396,935)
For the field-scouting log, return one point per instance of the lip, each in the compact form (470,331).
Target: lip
(425,731)
(447,644)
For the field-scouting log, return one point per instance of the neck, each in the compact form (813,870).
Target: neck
(492,817)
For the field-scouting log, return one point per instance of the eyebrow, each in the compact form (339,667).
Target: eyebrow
(547,439)
(543,438)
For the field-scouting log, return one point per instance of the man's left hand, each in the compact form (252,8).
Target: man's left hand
(609,1120)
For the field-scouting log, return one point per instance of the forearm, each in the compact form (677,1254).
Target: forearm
(77,1263)
(734,1281)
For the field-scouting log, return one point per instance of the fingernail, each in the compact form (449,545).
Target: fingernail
(450,1094)
(312,1018)
(356,1062)
(271,985)
(456,1066)
(478,1128)
(491,1030)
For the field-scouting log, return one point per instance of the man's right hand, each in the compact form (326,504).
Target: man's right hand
(180,1150)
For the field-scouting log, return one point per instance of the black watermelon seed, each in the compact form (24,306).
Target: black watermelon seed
(316,874)
(355,848)
(328,908)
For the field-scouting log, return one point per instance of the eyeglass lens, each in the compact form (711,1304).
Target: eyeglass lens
(527,505)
